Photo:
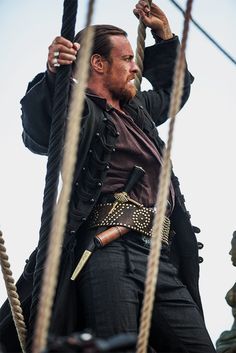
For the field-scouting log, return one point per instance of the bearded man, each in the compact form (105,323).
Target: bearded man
(119,133)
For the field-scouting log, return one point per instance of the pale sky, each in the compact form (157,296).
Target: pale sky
(204,143)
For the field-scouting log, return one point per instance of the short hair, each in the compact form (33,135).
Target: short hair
(102,44)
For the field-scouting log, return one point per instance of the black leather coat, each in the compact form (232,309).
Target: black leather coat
(97,143)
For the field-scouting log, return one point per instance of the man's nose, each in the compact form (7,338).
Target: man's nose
(134,67)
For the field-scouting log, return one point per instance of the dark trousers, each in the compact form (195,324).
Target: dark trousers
(110,293)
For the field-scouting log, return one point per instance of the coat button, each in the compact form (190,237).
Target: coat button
(200,245)
(117,134)
(176,180)
(97,134)
(77,184)
(200,259)
(72,231)
(90,151)
(99,184)
(107,166)
(196,230)
(83,169)
(83,219)
(92,200)
(113,149)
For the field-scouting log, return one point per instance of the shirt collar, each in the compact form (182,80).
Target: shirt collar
(101,102)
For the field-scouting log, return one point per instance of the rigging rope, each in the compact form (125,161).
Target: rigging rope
(139,55)
(229,56)
(163,190)
(54,160)
(68,167)
(12,294)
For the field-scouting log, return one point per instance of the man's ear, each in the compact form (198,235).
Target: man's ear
(97,63)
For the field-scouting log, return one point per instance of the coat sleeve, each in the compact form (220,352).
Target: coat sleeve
(158,69)
(36,108)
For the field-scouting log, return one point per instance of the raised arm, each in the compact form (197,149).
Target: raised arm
(159,63)
(38,100)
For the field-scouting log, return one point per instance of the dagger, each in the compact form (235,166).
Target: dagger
(110,234)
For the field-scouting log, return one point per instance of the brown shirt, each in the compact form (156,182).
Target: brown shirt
(134,148)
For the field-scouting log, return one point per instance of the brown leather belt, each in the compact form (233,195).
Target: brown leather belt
(128,215)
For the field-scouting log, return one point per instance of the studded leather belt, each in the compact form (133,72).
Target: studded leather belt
(128,215)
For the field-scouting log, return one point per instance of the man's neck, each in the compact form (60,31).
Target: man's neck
(102,92)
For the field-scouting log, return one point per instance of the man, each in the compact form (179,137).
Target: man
(118,133)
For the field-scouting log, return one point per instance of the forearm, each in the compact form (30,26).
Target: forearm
(159,65)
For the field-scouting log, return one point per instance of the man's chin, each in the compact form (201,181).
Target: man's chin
(128,94)
(133,90)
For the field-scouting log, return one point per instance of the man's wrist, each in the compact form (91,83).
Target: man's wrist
(50,69)
(159,39)
(50,77)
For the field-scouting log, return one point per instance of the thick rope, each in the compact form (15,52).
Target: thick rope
(139,54)
(161,202)
(60,216)
(12,294)
(59,114)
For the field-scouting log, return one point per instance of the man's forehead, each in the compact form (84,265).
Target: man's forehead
(121,46)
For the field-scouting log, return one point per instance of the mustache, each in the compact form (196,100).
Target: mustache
(131,78)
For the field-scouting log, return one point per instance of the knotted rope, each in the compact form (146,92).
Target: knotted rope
(13,297)
(163,191)
(61,210)
(59,114)
(139,54)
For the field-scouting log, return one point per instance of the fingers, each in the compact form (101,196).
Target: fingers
(142,9)
(153,18)
(61,52)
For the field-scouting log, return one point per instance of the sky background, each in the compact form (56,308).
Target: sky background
(204,143)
